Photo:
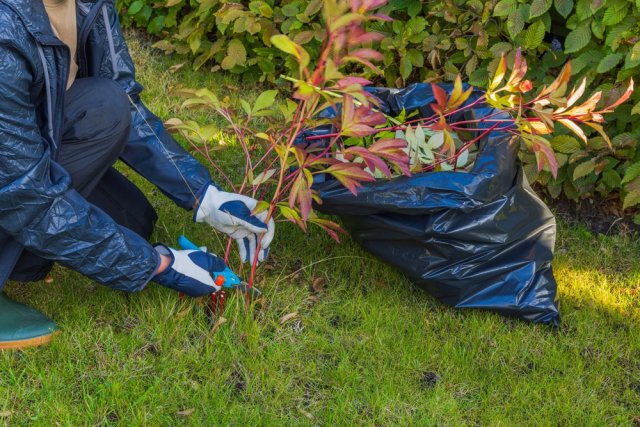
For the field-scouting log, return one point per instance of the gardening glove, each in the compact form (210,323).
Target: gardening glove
(190,271)
(231,214)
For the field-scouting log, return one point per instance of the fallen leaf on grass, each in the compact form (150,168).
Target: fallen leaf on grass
(175,68)
(284,319)
(186,412)
(221,320)
(306,414)
(318,284)
(186,310)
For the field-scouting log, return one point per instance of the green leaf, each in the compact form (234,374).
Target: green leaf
(578,38)
(285,44)
(583,169)
(237,51)
(265,100)
(624,139)
(515,23)
(565,144)
(564,7)
(538,8)
(135,7)
(405,67)
(608,62)
(631,199)
(635,52)
(156,25)
(618,33)
(636,109)
(504,7)
(631,173)
(611,178)
(534,35)
(246,107)
(263,176)
(613,16)
(417,58)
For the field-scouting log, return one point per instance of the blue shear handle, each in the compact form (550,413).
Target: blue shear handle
(187,244)
(230,278)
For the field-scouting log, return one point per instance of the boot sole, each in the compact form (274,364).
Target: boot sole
(30,342)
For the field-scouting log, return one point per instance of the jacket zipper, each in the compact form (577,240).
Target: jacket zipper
(92,14)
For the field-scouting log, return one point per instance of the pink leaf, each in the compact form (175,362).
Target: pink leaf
(352,80)
(373,4)
(382,17)
(367,37)
(358,130)
(364,62)
(367,54)
(544,154)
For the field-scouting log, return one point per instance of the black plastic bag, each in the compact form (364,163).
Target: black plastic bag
(479,239)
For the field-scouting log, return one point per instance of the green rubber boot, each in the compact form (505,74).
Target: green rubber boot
(22,326)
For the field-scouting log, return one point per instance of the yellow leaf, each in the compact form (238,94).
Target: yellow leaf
(499,75)
(574,128)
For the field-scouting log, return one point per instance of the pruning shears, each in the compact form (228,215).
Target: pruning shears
(225,278)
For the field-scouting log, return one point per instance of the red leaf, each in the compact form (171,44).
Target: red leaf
(440,95)
(393,150)
(359,121)
(366,116)
(350,175)
(301,192)
(372,161)
(519,70)
(622,99)
(525,86)
(330,227)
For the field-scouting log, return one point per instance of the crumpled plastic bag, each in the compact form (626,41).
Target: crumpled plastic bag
(479,239)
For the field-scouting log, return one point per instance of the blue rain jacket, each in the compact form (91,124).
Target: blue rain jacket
(39,210)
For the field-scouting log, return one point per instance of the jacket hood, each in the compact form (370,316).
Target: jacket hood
(34,17)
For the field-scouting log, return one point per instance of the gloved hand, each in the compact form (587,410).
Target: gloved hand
(190,271)
(230,213)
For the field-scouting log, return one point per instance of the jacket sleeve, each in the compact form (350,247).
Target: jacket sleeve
(38,207)
(151,151)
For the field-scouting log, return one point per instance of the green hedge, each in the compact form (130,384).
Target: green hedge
(435,41)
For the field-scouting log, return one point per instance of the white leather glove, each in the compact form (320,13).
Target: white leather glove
(230,213)
(190,271)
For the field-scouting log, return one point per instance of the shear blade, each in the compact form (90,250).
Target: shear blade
(251,290)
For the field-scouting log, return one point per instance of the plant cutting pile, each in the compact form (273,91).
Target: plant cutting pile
(361,143)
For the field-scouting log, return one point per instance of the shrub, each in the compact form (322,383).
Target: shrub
(433,41)
(282,163)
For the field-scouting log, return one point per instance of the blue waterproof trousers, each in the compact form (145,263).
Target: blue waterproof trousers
(97,122)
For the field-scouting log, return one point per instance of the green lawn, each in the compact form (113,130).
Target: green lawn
(369,349)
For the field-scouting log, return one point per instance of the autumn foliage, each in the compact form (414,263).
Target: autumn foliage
(365,144)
